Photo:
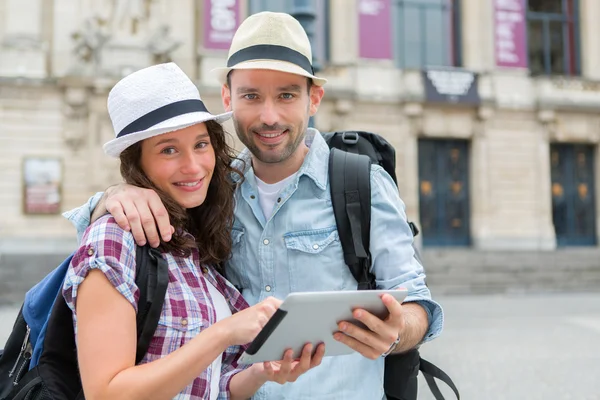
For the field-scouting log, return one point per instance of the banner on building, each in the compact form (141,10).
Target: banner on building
(42,183)
(374,29)
(510,33)
(221,20)
(451,85)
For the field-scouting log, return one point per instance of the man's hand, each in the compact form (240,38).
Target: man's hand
(139,210)
(409,322)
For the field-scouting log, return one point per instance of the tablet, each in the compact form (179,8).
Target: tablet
(313,317)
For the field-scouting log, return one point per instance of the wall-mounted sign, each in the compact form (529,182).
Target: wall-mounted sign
(221,20)
(509,33)
(374,29)
(451,85)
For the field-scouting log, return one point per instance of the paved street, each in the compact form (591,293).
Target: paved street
(521,347)
(504,348)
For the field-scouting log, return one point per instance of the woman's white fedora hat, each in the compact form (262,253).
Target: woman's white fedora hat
(273,41)
(153,101)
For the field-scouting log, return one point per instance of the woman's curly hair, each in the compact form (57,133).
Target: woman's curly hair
(210,223)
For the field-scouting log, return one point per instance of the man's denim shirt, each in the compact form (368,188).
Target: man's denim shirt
(298,249)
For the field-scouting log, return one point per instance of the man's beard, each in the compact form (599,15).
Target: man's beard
(270,157)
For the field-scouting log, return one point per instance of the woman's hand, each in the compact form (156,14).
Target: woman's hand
(288,369)
(244,384)
(243,326)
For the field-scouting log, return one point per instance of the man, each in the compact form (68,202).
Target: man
(284,234)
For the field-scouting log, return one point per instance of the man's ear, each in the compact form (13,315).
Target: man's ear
(316,95)
(226,97)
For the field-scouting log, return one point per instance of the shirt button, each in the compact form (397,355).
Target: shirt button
(279,199)
(316,246)
(252,197)
(184,322)
(90,251)
(266,242)
(204,270)
(268,288)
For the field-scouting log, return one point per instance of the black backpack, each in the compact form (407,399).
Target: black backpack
(43,331)
(352,153)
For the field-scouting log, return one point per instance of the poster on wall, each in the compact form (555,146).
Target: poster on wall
(221,20)
(374,29)
(510,33)
(42,185)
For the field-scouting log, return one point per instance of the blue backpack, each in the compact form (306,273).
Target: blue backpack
(39,360)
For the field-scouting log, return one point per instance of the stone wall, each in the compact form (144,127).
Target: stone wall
(56,70)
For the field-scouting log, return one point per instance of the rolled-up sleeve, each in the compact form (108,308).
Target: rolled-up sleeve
(109,249)
(80,217)
(230,367)
(394,263)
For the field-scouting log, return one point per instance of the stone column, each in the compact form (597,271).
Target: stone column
(47,30)
(343,28)
(546,232)
(596,187)
(22,51)
(589,14)
(479,177)
(3,16)
(477,34)
(414,113)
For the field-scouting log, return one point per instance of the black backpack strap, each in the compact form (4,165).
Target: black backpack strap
(26,385)
(430,372)
(152,279)
(350,184)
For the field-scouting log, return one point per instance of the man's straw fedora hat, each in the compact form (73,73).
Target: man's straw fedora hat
(273,41)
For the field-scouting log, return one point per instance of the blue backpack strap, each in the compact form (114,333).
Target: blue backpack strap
(350,185)
(57,359)
(38,304)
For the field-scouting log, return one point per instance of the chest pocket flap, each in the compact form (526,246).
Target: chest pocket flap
(311,241)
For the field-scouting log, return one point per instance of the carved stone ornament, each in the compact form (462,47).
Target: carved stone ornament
(89,41)
(76,112)
(23,42)
(135,29)
(414,113)
(161,45)
(549,122)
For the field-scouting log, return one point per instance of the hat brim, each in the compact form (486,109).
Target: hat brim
(116,146)
(273,65)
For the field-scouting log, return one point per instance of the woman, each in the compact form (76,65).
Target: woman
(167,141)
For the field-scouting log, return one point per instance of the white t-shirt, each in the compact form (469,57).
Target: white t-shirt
(223,311)
(268,193)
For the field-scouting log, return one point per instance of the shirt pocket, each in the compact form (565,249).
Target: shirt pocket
(237,272)
(173,331)
(316,260)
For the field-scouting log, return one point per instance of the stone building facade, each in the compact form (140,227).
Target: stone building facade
(495,153)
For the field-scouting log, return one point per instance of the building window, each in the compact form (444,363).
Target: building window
(553,37)
(320,40)
(427,33)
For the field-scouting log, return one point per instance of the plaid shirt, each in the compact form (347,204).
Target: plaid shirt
(188,307)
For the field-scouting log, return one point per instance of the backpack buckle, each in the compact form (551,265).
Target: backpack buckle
(350,137)
(414,229)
